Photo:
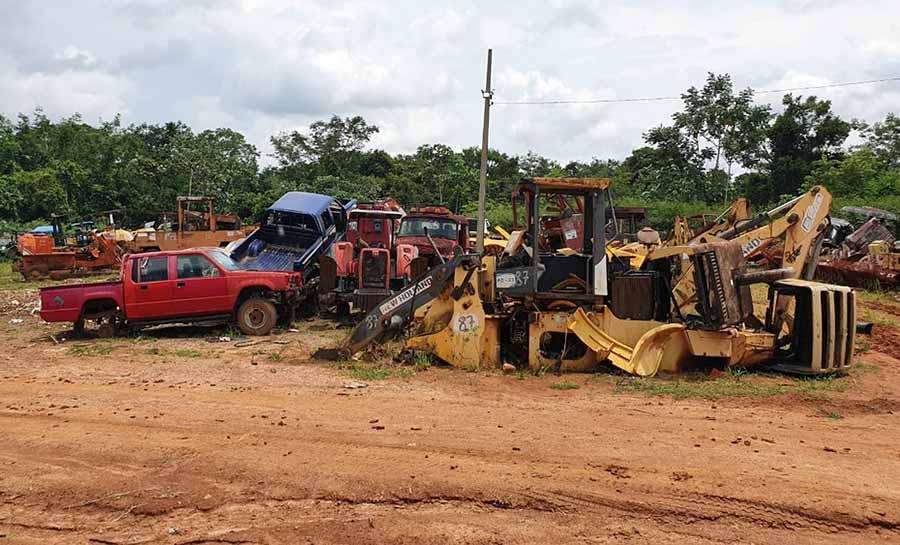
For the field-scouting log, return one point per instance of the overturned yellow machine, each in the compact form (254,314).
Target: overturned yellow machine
(670,308)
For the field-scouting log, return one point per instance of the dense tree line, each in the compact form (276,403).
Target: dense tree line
(719,145)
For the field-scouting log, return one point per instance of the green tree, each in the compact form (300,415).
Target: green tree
(9,147)
(329,144)
(435,174)
(670,167)
(806,131)
(534,165)
(883,138)
(726,129)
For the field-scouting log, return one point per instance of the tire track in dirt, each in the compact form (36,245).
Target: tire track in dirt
(690,506)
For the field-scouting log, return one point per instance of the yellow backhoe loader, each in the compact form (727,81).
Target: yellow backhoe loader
(685,306)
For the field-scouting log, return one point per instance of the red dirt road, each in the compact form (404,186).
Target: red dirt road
(155,443)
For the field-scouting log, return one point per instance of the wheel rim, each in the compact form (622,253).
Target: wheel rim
(256,318)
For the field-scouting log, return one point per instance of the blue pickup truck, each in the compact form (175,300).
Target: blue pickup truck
(297,229)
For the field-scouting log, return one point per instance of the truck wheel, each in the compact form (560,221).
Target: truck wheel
(78,328)
(256,316)
(106,330)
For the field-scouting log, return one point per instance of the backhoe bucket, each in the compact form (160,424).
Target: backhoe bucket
(644,359)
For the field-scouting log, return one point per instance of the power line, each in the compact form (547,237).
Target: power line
(665,98)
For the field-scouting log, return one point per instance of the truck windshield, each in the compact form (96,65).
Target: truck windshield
(437,228)
(224,260)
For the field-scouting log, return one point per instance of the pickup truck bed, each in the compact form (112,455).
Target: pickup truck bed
(277,248)
(64,303)
(298,228)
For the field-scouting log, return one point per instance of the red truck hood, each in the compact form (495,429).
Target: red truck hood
(443,245)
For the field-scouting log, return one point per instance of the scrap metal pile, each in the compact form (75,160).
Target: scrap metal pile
(570,288)
(550,303)
(869,257)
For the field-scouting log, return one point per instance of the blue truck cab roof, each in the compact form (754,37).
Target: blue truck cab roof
(302,202)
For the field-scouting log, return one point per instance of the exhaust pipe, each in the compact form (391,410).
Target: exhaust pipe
(760,277)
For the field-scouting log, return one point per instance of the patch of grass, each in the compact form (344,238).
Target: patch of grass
(732,383)
(421,361)
(829,414)
(870,295)
(863,345)
(275,356)
(367,372)
(90,350)
(565,386)
(10,279)
(815,385)
(863,368)
(705,389)
(876,316)
(188,353)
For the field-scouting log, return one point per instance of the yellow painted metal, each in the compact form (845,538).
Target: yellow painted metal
(797,227)
(457,330)
(516,241)
(544,323)
(605,347)
(631,252)
(645,347)
(502,232)
(660,346)
(486,275)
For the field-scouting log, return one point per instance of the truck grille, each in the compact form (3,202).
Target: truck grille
(374,269)
(838,308)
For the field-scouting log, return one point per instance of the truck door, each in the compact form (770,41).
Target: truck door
(149,294)
(200,287)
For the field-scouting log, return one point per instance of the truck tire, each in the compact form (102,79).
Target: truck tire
(78,328)
(256,316)
(106,330)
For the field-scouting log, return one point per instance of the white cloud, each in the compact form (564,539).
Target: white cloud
(416,68)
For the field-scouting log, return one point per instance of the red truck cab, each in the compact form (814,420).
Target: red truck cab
(196,285)
(448,231)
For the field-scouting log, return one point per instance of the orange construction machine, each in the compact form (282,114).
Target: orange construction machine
(50,255)
(191,229)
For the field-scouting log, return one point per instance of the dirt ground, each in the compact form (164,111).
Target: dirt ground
(169,438)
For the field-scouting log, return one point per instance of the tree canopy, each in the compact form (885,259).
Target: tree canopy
(720,144)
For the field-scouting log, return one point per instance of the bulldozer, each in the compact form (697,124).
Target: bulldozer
(682,306)
(55,256)
(191,229)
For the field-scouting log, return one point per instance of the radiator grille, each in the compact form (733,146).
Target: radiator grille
(374,269)
(838,329)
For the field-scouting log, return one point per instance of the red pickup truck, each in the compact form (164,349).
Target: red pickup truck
(185,286)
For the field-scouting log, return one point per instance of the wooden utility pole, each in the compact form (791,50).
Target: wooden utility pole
(482,184)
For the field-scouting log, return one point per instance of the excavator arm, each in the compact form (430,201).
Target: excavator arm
(798,224)
(395,313)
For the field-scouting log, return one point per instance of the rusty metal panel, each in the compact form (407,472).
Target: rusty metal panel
(867,233)
(633,296)
(723,301)
(327,274)
(572,184)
